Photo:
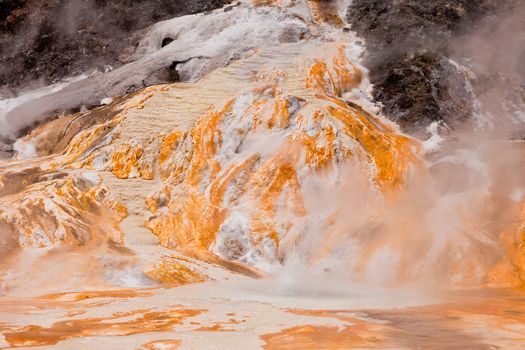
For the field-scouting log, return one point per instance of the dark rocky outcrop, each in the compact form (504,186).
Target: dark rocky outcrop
(422,87)
(408,54)
(395,27)
(47,40)
(11,13)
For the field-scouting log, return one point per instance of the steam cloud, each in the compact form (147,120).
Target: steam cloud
(496,52)
(456,222)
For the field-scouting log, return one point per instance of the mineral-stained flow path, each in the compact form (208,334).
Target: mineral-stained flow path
(188,216)
(222,316)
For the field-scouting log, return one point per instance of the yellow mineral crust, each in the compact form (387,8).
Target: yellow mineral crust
(61,211)
(391,153)
(100,146)
(136,322)
(84,140)
(321,11)
(247,160)
(192,222)
(169,147)
(125,159)
(325,12)
(333,76)
(266,2)
(510,271)
(172,272)
(221,163)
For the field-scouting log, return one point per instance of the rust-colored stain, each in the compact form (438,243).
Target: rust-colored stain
(335,76)
(280,116)
(314,338)
(79,296)
(220,326)
(440,326)
(125,159)
(266,2)
(323,132)
(325,12)
(367,332)
(507,305)
(77,303)
(62,211)
(510,271)
(216,327)
(85,139)
(174,273)
(149,321)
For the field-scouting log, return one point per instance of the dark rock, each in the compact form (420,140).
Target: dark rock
(11,13)
(173,72)
(399,26)
(166,41)
(408,51)
(48,40)
(420,88)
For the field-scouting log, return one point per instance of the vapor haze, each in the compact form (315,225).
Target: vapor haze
(456,221)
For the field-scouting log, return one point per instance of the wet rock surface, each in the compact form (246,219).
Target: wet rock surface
(409,56)
(42,42)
